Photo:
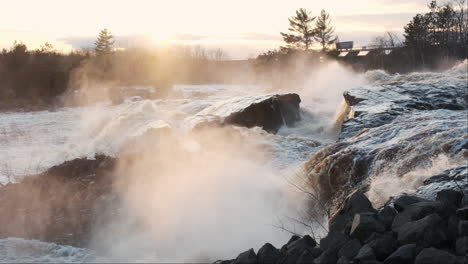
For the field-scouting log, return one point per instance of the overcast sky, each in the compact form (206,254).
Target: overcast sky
(242,28)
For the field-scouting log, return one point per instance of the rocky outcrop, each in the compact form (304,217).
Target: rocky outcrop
(396,128)
(270,112)
(424,238)
(59,205)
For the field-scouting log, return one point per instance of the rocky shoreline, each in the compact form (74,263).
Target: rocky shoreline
(409,229)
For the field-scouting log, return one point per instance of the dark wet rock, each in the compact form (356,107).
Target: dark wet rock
(427,231)
(434,256)
(419,210)
(463,228)
(366,255)
(451,179)
(306,257)
(268,254)
(328,256)
(350,249)
(247,257)
(462,213)
(343,260)
(450,197)
(269,112)
(294,250)
(333,241)
(304,242)
(61,205)
(364,225)
(403,255)
(355,203)
(386,216)
(461,246)
(405,200)
(293,238)
(382,245)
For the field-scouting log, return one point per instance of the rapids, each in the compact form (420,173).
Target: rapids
(31,142)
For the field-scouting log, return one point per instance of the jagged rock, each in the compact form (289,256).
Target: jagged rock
(247,257)
(434,256)
(366,255)
(304,242)
(291,240)
(355,203)
(419,210)
(382,245)
(268,254)
(463,228)
(350,249)
(452,228)
(405,200)
(295,249)
(450,197)
(426,232)
(269,112)
(343,260)
(462,213)
(327,256)
(454,179)
(386,216)
(306,257)
(333,241)
(461,246)
(364,225)
(403,255)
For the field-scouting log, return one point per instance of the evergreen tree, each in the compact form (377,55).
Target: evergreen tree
(324,30)
(104,42)
(301,30)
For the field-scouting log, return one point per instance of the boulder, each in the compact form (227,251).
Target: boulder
(382,245)
(364,225)
(462,213)
(327,256)
(306,257)
(461,246)
(268,254)
(350,249)
(270,112)
(354,203)
(343,260)
(247,257)
(425,232)
(434,256)
(297,248)
(386,216)
(463,228)
(365,255)
(450,197)
(291,240)
(333,241)
(405,200)
(403,255)
(419,210)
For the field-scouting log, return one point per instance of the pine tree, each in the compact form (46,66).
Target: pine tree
(104,42)
(302,31)
(324,30)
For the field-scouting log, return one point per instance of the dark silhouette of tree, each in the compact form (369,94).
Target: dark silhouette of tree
(324,30)
(104,42)
(301,30)
(417,34)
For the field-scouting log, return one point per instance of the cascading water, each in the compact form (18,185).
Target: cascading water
(214,194)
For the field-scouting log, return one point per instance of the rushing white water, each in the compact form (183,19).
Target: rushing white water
(249,172)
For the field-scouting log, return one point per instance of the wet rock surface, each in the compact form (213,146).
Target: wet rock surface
(396,127)
(270,112)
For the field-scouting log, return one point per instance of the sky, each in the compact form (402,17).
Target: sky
(242,28)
